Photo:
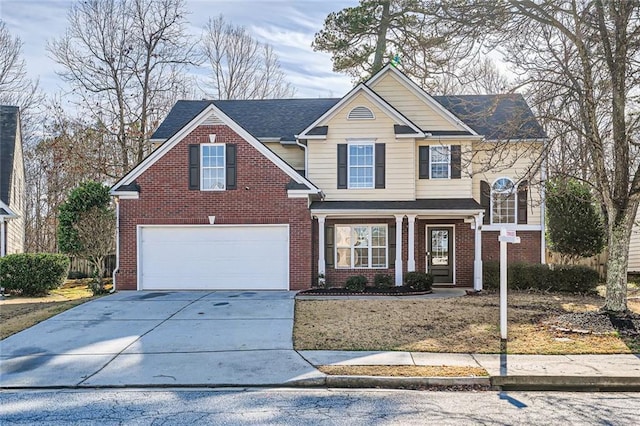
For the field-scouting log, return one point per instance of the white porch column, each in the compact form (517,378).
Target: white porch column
(399,219)
(477,262)
(321,260)
(3,244)
(411,261)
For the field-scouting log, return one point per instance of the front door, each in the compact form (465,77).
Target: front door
(440,253)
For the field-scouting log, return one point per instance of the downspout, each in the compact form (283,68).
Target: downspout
(3,244)
(543,240)
(115,271)
(306,160)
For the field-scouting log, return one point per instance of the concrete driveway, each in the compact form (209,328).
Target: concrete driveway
(161,338)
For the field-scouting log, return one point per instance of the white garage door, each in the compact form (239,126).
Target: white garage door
(213,257)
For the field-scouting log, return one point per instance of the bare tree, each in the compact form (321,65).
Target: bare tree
(96,233)
(241,66)
(124,61)
(581,62)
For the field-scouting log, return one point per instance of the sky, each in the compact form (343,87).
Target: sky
(288,25)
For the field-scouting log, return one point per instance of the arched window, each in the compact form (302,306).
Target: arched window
(503,201)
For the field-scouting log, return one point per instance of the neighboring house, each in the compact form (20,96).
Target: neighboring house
(268,194)
(634,248)
(12,183)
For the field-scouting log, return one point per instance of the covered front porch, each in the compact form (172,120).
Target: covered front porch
(440,236)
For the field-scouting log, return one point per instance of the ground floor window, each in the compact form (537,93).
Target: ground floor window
(361,246)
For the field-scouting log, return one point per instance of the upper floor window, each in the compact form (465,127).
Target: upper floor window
(361,165)
(503,201)
(360,113)
(212,167)
(440,162)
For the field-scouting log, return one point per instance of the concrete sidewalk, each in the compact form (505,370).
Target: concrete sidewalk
(619,371)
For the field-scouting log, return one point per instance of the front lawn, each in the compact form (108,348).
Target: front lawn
(467,324)
(19,313)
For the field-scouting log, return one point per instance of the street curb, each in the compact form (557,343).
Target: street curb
(386,382)
(583,383)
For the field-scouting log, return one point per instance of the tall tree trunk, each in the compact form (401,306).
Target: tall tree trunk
(618,261)
(381,42)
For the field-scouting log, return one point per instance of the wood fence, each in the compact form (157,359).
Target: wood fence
(597,262)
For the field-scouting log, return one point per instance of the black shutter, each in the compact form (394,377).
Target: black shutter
(392,246)
(523,193)
(380,162)
(194,166)
(329,246)
(456,162)
(342,166)
(231,166)
(485,201)
(423,162)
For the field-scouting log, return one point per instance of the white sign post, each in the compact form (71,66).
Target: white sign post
(506,236)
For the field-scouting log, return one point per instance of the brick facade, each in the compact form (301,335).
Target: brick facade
(527,251)
(261,198)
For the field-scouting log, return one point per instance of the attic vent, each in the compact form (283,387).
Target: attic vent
(360,113)
(213,120)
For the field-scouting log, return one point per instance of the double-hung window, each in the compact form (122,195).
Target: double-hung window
(212,167)
(503,201)
(440,166)
(361,246)
(361,165)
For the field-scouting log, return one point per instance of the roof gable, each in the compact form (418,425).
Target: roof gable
(209,113)
(346,101)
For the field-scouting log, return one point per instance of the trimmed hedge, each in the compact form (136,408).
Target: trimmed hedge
(418,281)
(536,276)
(383,281)
(356,283)
(33,274)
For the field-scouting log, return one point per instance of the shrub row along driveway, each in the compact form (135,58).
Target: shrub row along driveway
(162,338)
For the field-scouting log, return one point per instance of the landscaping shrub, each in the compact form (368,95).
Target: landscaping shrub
(418,281)
(573,279)
(356,283)
(33,274)
(383,281)
(536,276)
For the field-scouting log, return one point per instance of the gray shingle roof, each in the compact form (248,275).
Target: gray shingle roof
(494,116)
(421,204)
(9,116)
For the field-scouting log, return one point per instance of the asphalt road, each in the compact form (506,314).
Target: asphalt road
(311,407)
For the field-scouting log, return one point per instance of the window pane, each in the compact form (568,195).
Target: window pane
(361,236)
(343,236)
(361,258)
(440,247)
(378,257)
(344,258)
(439,171)
(360,166)
(379,236)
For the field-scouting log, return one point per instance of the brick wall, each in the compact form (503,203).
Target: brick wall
(527,251)
(261,198)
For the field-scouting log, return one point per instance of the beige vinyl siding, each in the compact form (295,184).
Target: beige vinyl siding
(15,227)
(399,153)
(445,188)
(512,161)
(292,154)
(410,105)
(634,247)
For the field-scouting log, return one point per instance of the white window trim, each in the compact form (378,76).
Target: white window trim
(373,164)
(370,247)
(515,201)
(431,149)
(224,166)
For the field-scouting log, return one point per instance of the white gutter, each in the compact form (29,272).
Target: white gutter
(115,271)
(543,240)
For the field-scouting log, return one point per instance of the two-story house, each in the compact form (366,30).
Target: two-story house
(12,182)
(269,194)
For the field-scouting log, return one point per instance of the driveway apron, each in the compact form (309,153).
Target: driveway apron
(221,338)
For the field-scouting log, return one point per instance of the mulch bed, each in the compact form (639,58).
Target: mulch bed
(368,291)
(597,323)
